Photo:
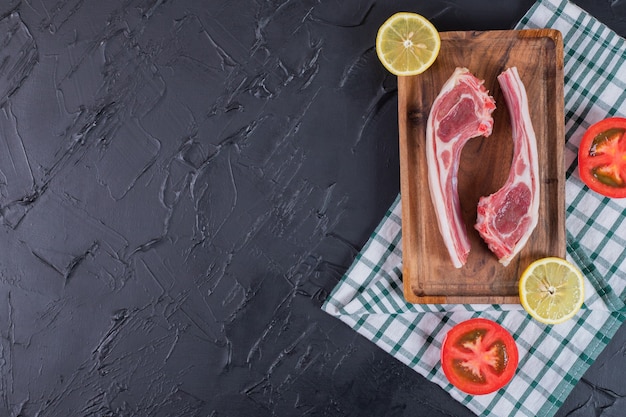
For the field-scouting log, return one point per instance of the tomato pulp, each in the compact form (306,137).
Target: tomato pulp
(602,157)
(479,356)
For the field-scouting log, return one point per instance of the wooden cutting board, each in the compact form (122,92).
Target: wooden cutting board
(428,274)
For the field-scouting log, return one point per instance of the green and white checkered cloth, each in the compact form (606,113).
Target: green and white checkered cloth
(552,358)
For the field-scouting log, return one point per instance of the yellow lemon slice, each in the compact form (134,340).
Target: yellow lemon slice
(552,290)
(407,44)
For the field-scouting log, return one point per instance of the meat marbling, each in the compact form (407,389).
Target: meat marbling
(461,111)
(507,218)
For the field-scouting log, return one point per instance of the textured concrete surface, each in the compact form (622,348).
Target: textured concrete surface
(181,185)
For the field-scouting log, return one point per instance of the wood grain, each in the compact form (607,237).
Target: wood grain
(428,274)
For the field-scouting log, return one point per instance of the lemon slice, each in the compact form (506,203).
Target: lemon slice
(407,44)
(551,290)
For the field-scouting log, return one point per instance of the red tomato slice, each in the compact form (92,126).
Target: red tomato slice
(602,157)
(479,356)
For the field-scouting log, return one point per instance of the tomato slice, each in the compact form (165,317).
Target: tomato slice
(479,356)
(602,157)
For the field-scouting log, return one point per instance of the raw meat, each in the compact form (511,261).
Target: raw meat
(461,111)
(507,218)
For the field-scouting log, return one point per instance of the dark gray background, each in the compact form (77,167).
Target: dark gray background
(182,183)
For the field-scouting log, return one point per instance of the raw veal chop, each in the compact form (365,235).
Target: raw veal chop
(461,111)
(507,218)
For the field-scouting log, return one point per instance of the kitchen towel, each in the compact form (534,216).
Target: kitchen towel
(552,358)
